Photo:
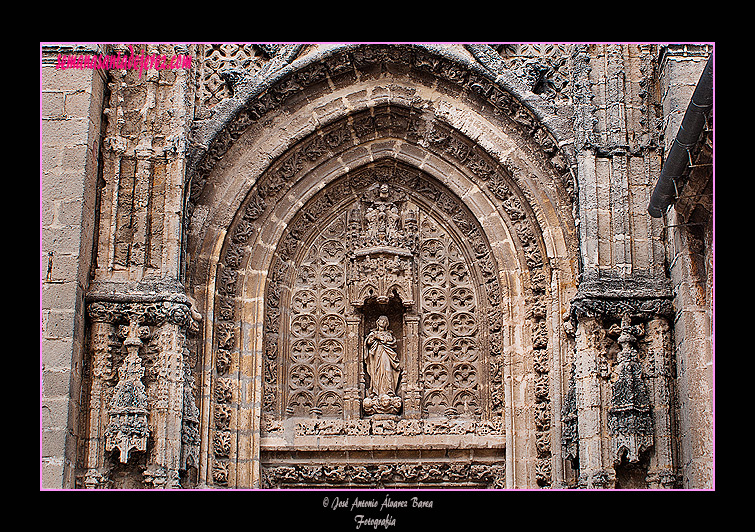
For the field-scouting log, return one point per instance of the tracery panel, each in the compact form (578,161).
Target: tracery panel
(317,328)
(382,328)
(450,336)
(383,243)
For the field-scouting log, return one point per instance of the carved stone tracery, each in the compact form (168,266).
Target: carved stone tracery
(377,265)
(455,295)
(500,181)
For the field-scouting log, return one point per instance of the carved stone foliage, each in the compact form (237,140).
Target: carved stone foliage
(410,474)
(371,426)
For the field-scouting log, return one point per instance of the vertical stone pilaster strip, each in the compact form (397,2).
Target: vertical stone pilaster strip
(589,401)
(615,72)
(141,202)
(168,411)
(101,331)
(353,360)
(620,213)
(412,399)
(661,473)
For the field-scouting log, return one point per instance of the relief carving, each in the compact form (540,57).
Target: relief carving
(383,368)
(630,419)
(385,246)
(151,351)
(479,475)
(381,249)
(128,430)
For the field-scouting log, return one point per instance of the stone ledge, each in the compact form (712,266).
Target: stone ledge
(382,443)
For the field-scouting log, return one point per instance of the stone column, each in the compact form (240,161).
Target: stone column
(167,413)
(353,358)
(413,393)
(661,473)
(100,337)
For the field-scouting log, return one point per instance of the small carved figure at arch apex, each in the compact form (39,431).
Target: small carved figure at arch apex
(383,367)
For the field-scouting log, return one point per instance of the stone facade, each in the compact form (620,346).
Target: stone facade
(373,266)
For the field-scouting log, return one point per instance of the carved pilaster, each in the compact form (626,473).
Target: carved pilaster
(569,423)
(151,408)
(589,403)
(661,473)
(101,334)
(412,388)
(622,384)
(352,404)
(167,412)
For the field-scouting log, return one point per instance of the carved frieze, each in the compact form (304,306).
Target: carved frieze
(479,475)
(393,427)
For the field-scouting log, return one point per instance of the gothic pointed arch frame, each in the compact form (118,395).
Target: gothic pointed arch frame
(472,155)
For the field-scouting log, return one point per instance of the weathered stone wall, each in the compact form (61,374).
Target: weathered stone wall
(71,109)
(689,243)
(179,191)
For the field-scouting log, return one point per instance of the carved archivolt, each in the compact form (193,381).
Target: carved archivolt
(361,60)
(320,269)
(303,367)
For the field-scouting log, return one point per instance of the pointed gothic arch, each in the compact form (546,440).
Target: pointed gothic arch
(275,173)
